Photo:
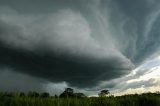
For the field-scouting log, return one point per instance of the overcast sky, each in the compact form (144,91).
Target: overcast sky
(85,44)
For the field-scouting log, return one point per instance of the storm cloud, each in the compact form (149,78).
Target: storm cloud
(12,81)
(80,42)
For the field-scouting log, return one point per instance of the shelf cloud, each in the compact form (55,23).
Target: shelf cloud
(82,43)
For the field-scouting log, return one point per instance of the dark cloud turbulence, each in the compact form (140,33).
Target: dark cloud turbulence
(77,41)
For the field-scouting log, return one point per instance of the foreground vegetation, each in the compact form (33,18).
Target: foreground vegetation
(33,99)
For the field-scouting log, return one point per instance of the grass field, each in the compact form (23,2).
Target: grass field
(148,99)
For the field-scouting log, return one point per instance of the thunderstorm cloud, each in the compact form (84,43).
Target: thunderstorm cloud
(79,42)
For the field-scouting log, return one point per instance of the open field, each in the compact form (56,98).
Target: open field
(148,99)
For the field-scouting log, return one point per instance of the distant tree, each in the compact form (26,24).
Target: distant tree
(55,96)
(22,94)
(103,93)
(79,95)
(157,92)
(33,94)
(44,95)
(68,93)
(9,94)
(69,90)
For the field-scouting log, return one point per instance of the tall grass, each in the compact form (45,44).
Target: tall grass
(127,100)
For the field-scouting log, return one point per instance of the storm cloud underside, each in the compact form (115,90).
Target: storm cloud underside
(79,42)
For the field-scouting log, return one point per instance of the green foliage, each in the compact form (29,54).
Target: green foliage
(103,93)
(19,99)
(69,93)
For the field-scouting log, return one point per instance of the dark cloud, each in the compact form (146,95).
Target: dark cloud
(80,42)
(62,68)
(15,82)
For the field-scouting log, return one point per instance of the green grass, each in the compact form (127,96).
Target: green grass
(127,100)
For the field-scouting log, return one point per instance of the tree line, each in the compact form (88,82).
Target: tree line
(67,93)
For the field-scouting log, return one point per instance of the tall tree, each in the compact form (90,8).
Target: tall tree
(104,93)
